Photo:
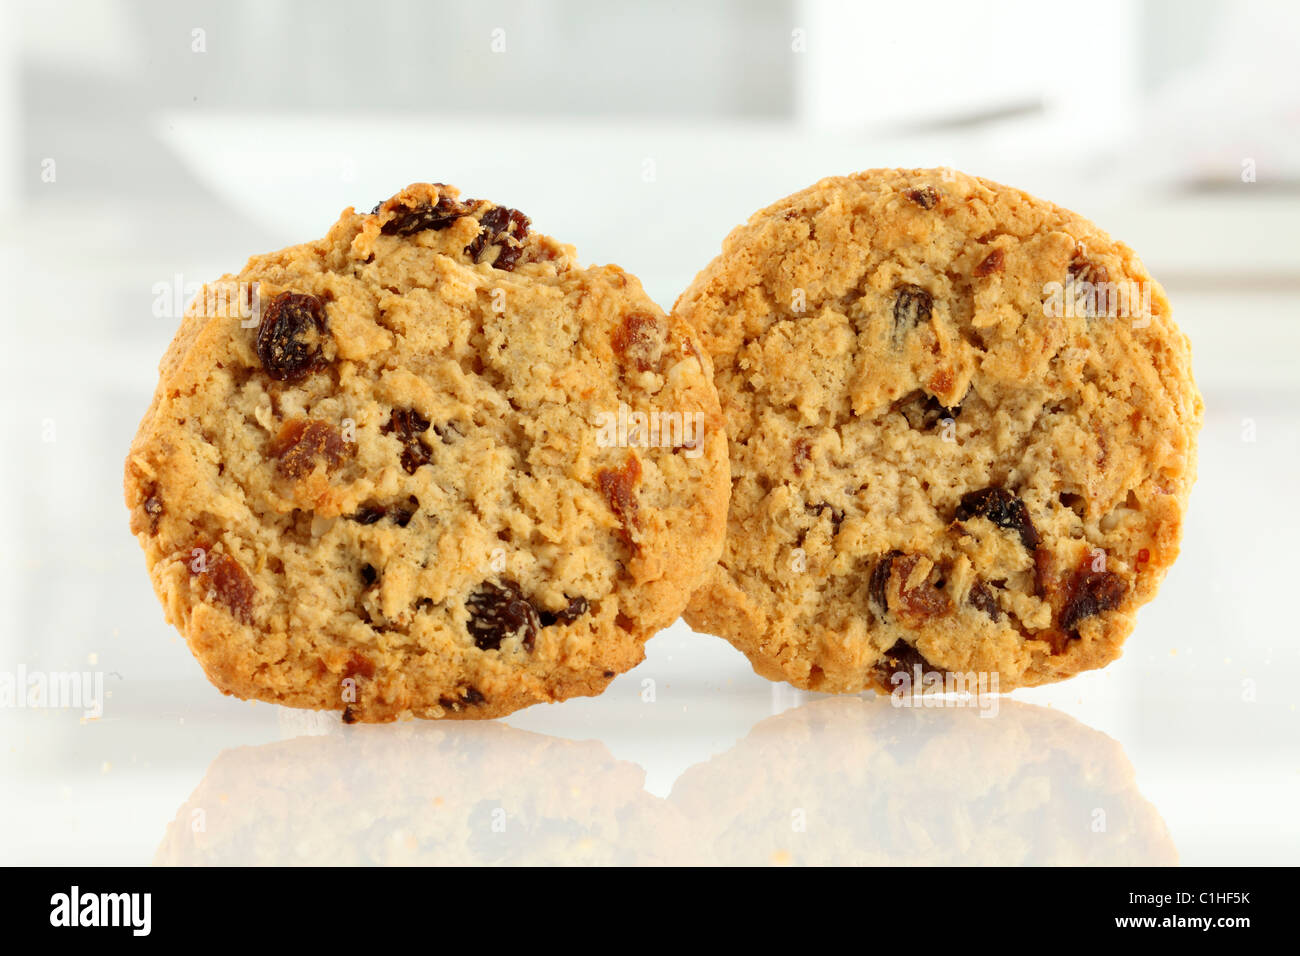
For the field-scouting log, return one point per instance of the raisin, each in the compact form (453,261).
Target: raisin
(912,307)
(349,715)
(505,229)
(1087,593)
(819,508)
(1002,508)
(152,507)
(228,584)
(878,583)
(608,674)
(358,663)
(618,485)
(567,615)
(469,696)
(923,411)
(639,339)
(1083,269)
(992,263)
(407,425)
(368,514)
(917,604)
(369,575)
(982,599)
(289,336)
(408,220)
(903,658)
(499,611)
(402,514)
(302,443)
(927,197)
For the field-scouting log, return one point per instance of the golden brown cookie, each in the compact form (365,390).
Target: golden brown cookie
(962,427)
(427,465)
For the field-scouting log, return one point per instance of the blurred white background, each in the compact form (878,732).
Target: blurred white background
(145,146)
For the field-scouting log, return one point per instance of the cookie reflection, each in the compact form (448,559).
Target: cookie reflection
(856,781)
(439,794)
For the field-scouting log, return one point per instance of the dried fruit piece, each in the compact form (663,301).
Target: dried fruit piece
(1087,593)
(407,425)
(923,411)
(402,514)
(618,485)
(227,582)
(468,697)
(369,575)
(302,443)
(926,600)
(992,263)
(927,197)
(878,583)
(368,514)
(499,611)
(912,307)
(567,615)
(903,658)
(1083,269)
(408,220)
(639,339)
(1001,507)
(358,663)
(819,508)
(502,228)
(982,599)
(290,336)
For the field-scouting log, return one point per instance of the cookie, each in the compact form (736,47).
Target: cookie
(427,466)
(851,781)
(962,426)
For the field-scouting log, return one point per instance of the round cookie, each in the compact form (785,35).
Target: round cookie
(962,427)
(410,468)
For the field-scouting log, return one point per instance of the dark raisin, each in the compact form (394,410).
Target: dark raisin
(992,263)
(912,307)
(406,424)
(368,514)
(1002,508)
(819,508)
(639,339)
(368,574)
(567,615)
(1089,592)
(499,611)
(878,583)
(618,485)
(923,411)
(609,674)
(402,514)
(290,335)
(302,443)
(503,228)
(408,220)
(982,599)
(349,715)
(903,658)
(927,197)
(469,696)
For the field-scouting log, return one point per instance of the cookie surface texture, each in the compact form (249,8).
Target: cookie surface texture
(962,426)
(407,469)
